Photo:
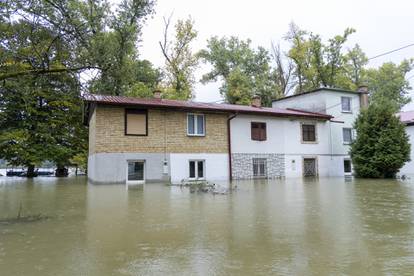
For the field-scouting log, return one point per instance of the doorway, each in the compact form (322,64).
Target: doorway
(136,172)
(309,167)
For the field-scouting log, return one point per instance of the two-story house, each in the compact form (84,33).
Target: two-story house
(344,107)
(136,140)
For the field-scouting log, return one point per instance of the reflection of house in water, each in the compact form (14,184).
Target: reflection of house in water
(136,140)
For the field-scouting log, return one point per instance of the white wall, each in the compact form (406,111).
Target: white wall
(216,166)
(283,136)
(408,168)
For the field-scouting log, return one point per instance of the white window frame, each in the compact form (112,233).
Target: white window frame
(195,124)
(135,182)
(196,169)
(350,105)
(343,136)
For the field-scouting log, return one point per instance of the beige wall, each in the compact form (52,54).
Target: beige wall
(167,131)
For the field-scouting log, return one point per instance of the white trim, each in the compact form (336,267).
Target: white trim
(196,169)
(196,124)
(135,182)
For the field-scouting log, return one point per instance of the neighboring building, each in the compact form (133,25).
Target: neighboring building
(332,156)
(135,140)
(408,119)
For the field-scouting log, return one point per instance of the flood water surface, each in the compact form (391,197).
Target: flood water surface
(283,227)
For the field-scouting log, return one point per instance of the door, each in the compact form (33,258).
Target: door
(136,172)
(309,167)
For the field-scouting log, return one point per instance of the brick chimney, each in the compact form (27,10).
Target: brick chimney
(363,96)
(256,101)
(157,94)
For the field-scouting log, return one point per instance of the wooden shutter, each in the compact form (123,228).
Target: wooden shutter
(135,122)
(258,131)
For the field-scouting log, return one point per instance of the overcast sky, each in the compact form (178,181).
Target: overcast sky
(381,25)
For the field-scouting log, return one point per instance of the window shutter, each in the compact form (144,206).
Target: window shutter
(263,132)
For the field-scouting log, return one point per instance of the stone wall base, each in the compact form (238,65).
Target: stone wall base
(242,165)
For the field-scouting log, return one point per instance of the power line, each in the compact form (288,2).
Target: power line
(392,51)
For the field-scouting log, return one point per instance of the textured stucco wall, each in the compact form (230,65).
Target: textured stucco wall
(112,167)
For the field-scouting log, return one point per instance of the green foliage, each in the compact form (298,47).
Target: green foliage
(45,47)
(388,83)
(382,146)
(235,60)
(180,61)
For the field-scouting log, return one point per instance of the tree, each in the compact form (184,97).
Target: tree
(382,146)
(233,59)
(180,61)
(282,73)
(45,46)
(318,64)
(388,82)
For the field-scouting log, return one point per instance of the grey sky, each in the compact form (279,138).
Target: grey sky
(381,26)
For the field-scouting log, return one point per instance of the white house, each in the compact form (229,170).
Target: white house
(332,154)
(408,119)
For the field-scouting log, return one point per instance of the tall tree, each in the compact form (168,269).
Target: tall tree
(180,61)
(232,59)
(44,48)
(382,146)
(388,82)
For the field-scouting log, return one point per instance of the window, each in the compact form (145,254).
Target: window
(195,125)
(196,169)
(135,171)
(308,132)
(347,166)
(136,122)
(346,104)
(347,135)
(258,131)
(259,167)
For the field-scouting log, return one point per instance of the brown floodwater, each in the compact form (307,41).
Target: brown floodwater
(329,226)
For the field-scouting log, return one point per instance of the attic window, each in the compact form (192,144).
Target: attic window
(136,122)
(258,131)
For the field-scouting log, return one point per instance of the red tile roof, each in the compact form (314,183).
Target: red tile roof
(407,117)
(190,105)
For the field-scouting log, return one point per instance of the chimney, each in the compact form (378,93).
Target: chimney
(363,96)
(256,101)
(157,94)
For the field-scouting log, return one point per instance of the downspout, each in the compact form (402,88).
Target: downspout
(229,144)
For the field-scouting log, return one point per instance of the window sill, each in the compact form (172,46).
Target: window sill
(344,111)
(196,135)
(347,143)
(309,142)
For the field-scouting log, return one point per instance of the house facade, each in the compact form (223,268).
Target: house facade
(344,106)
(142,140)
(408,119)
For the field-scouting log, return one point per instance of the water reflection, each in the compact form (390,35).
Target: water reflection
(315,226)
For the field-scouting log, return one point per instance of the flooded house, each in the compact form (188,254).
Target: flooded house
(133,140)
(407,118)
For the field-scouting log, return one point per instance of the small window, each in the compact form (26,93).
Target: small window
(195,125)
(259,167)
(346,104)
(308,133)
(196,169)
(258,131)
(136,122)
(347,135)
(347,166)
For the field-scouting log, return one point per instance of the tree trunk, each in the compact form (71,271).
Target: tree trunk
(61,171)
(31,171)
